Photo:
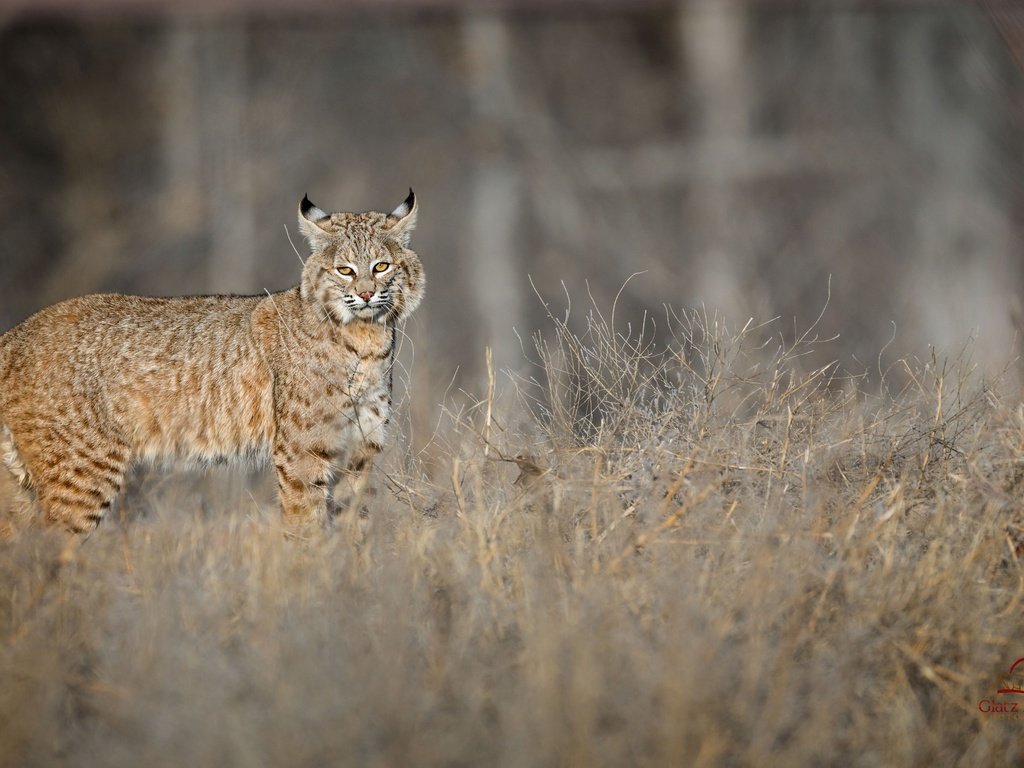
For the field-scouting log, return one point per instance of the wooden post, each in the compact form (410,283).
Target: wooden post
(228,199)
(956,274)
(715,78)
(494,209)
(180,208)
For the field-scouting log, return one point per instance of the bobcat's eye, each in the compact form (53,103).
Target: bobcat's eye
(345,271)
(381,266)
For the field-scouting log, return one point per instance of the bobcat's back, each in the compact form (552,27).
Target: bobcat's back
(181,376)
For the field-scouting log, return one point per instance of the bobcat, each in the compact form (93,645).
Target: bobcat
(301,377)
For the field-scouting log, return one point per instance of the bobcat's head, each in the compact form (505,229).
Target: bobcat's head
(361,267)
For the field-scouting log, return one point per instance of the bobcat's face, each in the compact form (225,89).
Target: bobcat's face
(361,267)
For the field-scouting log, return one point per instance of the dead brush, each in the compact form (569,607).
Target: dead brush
(674,548)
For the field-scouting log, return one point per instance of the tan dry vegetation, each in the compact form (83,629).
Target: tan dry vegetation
(688,554)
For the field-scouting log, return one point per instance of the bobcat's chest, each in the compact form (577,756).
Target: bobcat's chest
(360,364)
(367,343)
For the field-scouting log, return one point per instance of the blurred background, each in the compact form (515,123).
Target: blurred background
(759,158)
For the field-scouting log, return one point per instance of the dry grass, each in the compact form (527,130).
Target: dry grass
(688,554)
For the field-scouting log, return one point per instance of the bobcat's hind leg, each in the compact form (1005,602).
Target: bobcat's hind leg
(77,486)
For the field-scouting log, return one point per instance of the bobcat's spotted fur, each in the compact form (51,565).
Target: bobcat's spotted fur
(302,377)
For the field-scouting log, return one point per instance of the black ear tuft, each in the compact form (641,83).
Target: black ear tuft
(309,212)
(407,206)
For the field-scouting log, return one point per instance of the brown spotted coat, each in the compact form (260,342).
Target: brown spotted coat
(301,377)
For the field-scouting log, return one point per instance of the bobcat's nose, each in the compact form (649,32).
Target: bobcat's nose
(366,295)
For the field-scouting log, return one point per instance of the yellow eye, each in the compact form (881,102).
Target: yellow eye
(381,266)
(346,271)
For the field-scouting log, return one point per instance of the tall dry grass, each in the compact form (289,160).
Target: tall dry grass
(692,553)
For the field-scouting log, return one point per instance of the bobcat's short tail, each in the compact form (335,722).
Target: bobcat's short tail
(15,478)
(15,497)
(11,459)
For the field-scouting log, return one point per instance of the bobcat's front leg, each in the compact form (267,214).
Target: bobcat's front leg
(356,477)
(367,442)
(304,484)
(303,464)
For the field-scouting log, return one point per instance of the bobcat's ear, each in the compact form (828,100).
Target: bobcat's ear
(310,220)
(401,221)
